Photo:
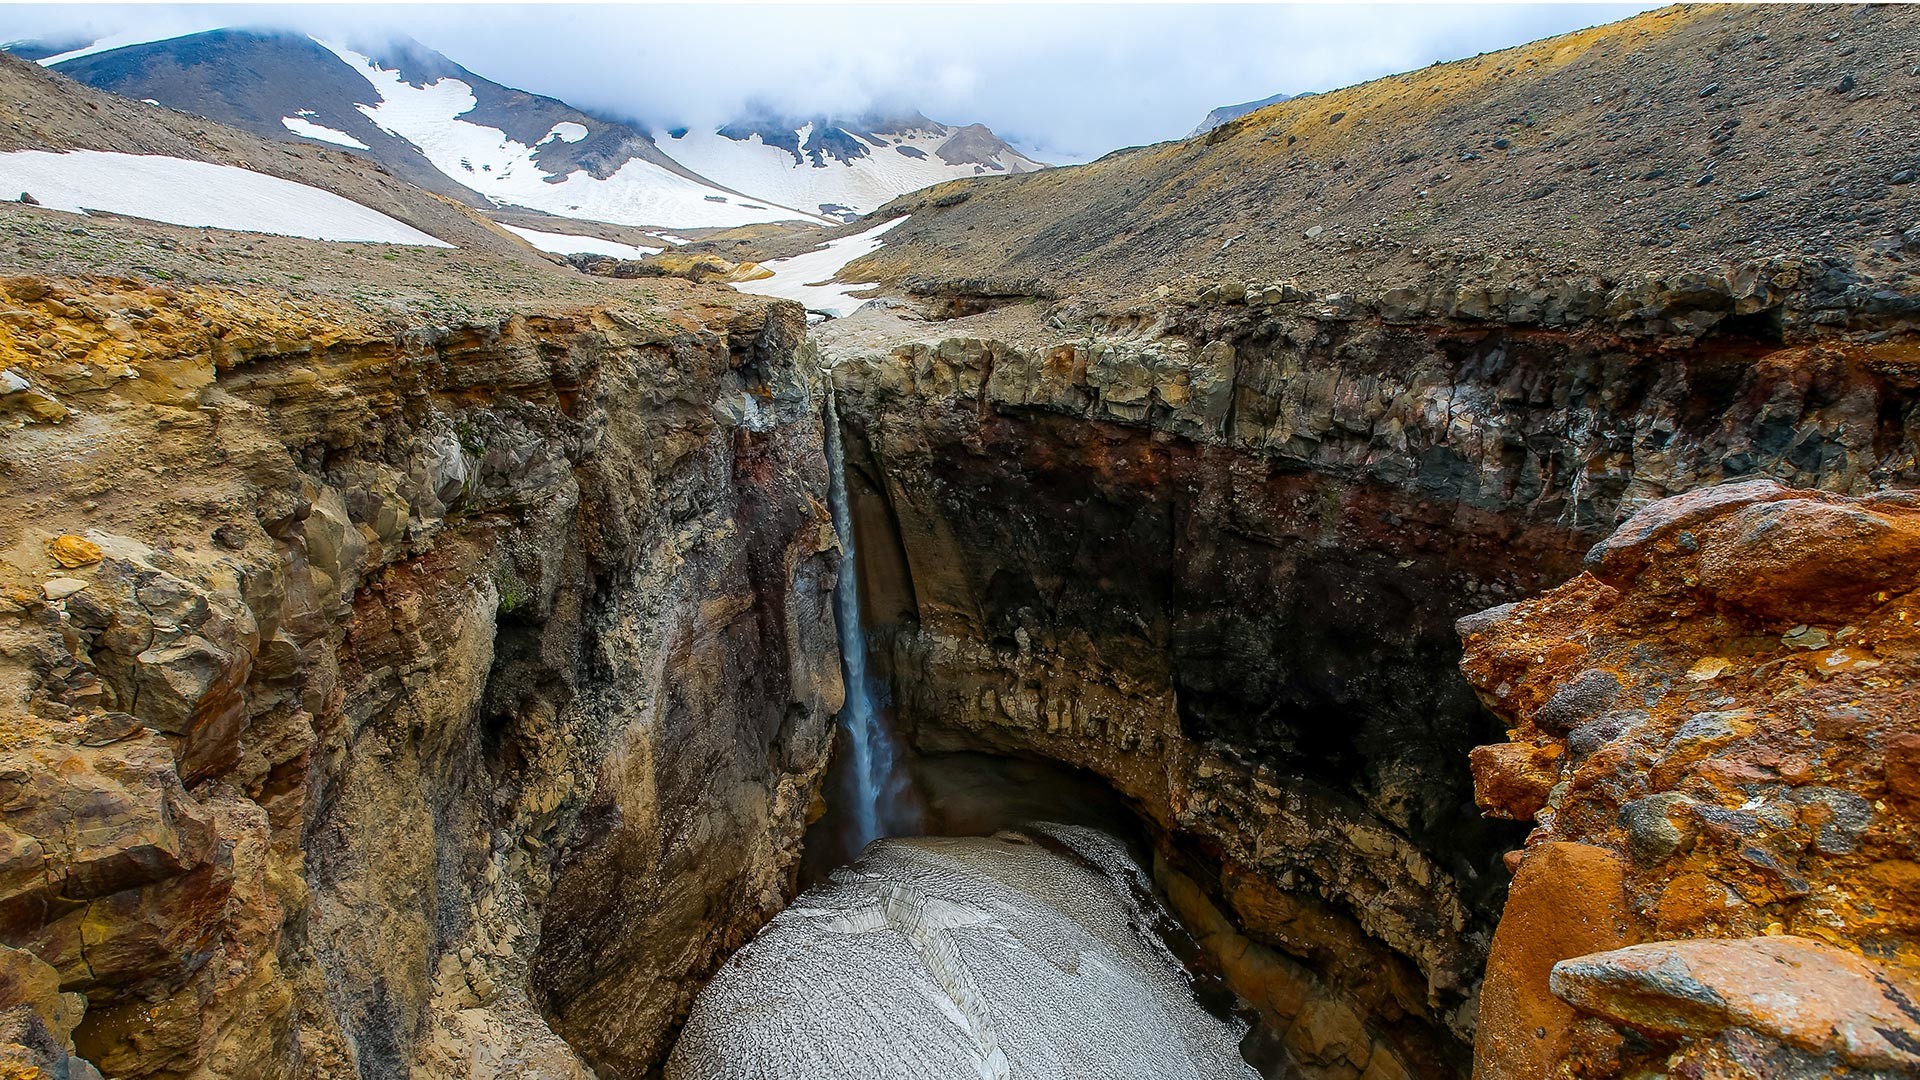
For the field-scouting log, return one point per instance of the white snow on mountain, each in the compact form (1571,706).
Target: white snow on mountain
(909,161)
(306,128)
(199,193)
(565,244)
(105,44)
(567,132)
(486,160)
(808,278)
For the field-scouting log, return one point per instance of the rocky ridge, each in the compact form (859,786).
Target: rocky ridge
(1692,137)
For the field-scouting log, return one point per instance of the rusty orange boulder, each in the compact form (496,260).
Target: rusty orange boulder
(1722,708)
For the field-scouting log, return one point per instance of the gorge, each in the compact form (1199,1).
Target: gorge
(1474,643)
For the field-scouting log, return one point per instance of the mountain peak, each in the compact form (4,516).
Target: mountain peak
(1234,112)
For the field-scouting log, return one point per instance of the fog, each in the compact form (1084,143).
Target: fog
(1065,81)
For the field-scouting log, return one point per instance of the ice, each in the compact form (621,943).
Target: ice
(807,278)
(183,192)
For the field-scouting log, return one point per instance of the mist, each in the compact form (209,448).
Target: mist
(1065,82)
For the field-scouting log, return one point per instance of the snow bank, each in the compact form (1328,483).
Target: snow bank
(910,162)
(504,170)
(980,957)
(564,244)
(808,278)
(183,192)
(306,128)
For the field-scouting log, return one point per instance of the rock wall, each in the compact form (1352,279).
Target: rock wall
(1712,735)
(1213,551)
(374,693)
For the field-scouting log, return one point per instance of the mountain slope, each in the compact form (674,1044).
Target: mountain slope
(844,168)
(426,118)
(444,128)
(1686,136)
(49,112)
(1225,113)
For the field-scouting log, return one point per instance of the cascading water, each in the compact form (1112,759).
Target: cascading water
(878,800)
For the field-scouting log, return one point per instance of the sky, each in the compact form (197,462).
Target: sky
(1067,82)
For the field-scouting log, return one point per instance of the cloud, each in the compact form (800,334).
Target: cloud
(1075,79)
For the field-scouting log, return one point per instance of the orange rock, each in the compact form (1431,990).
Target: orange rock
(1903,767)
(1513,780)
(1793,989)
(1567,900)
(1810,559)
(72,551)
(1690,901)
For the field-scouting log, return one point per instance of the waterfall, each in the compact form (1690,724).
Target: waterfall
(879,803)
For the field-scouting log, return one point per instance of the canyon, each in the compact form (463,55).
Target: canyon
(1483,658)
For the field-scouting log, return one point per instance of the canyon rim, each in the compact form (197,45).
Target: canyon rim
(1415,579)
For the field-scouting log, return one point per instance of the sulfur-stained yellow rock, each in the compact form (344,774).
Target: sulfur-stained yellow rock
(74,551)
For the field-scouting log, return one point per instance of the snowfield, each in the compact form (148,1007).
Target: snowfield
(863,185)
(502,169)
(306,128)
(182,192)
(566,131)
(564,244)
(808,278)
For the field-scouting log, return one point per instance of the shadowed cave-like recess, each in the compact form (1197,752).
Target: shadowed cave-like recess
(1067,615)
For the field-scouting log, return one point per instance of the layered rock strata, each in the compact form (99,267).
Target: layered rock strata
(376,693)
(1212,552)
(1712,735)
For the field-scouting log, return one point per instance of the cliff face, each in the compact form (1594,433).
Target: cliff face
(1213,551)
(1712,733)
(354,672)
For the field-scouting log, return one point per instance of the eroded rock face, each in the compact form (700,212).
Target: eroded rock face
(1720,876)
(373,694)
(1212,553)
(1027,953)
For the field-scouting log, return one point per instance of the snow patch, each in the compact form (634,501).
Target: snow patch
(993,957)
(808,278)
(862,185)
(564,244)
(566,131)
(504,170)
(105,44)
(198,193)
(305,128)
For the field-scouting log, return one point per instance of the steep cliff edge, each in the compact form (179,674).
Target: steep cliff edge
(375,689)
(1212,550)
